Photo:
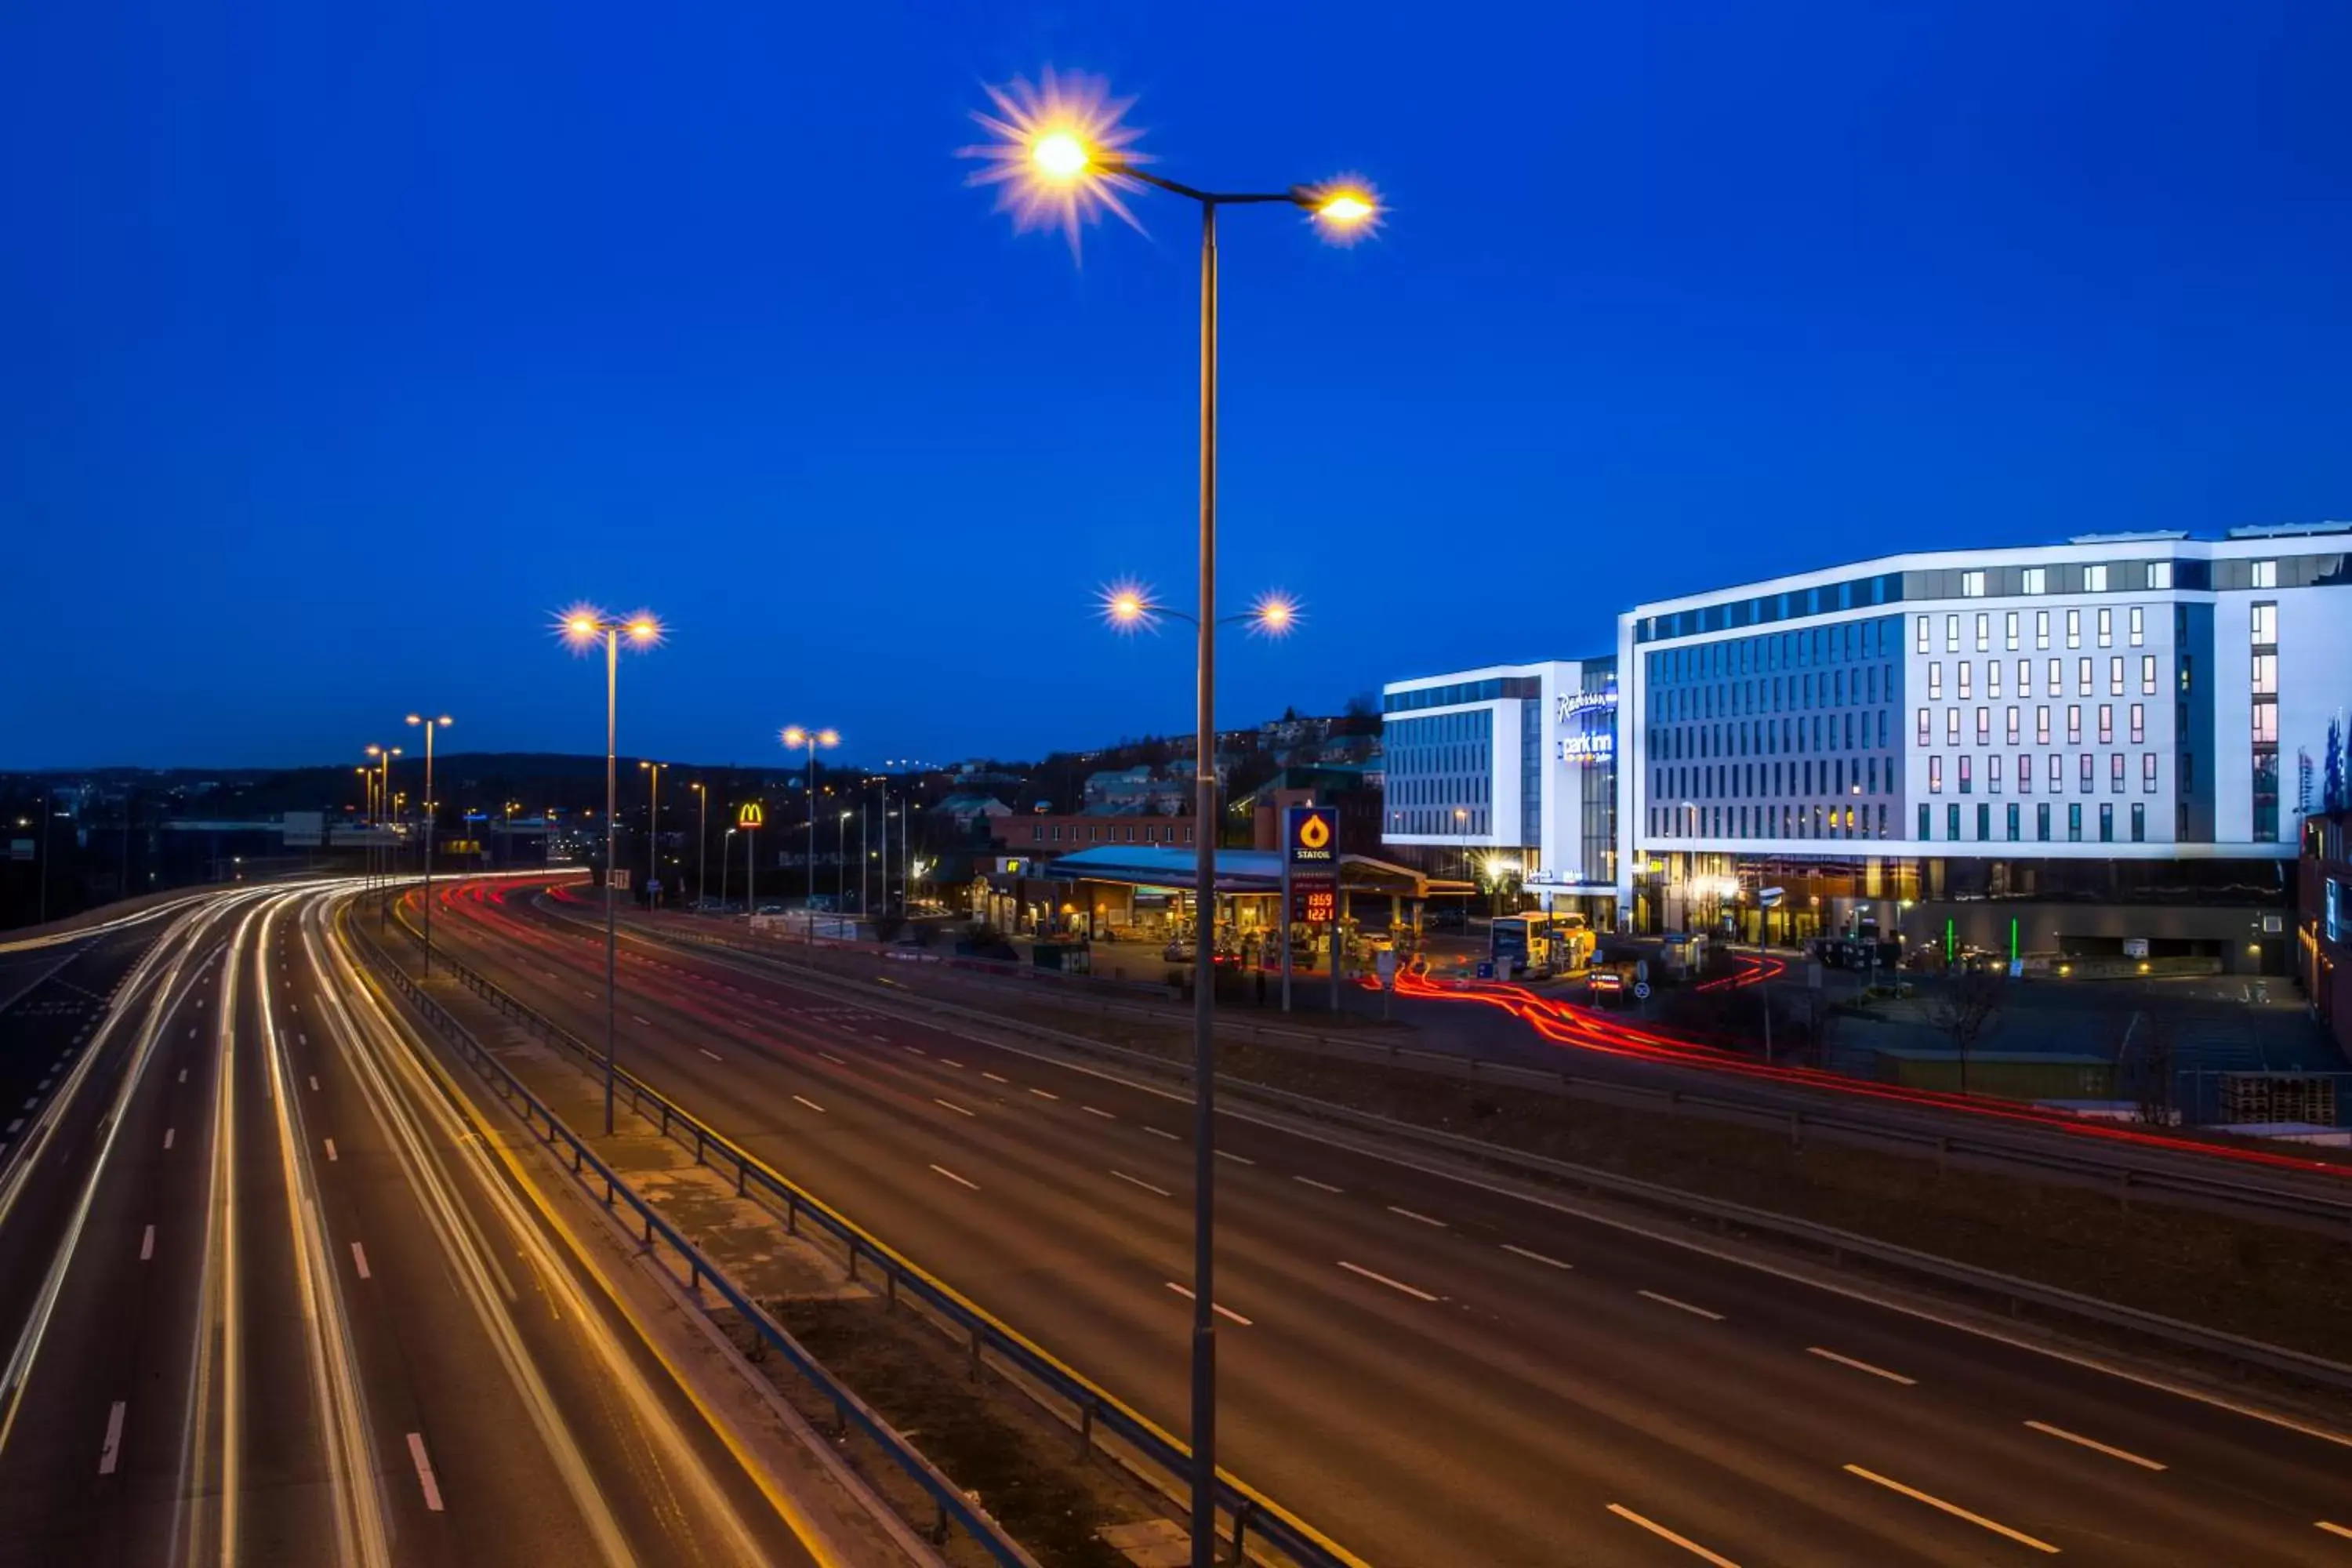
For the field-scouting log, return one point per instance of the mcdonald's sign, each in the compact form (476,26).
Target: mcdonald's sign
(750,815)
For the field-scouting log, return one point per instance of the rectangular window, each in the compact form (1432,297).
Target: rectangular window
(1993,678)
(2088,774)
(2095,579)
(1984,822)
(2148,773)
(1923,821)
(2140,823)
(1984,725)
(2138,625)
(2138,722)
(1927,727)
(2106,629)
(2037,580)
(1993,773)
(2083,681)
(2266,674)
(1951,634)
(2025,772)
(2010,730)
(2009,631)
(2025,678)
(2041,821)
(2266,723)
(1967,774)
(2012,823)
(1984,631)
(1973,584)
(1920,644)
(2106,822)
(1965,666)
(1934,773)
(2041,725)
(2115,773)
(2264,574)
(2073,822)
(2147,675)
(2074,723)
(2264,624)
(1952,823)
(2115,677)
(2041,628)
(2073,628)
(2107,723)
(1952,726)
(2159,573)
(1935,680)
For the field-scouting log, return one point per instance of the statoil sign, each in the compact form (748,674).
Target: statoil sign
(1313,837)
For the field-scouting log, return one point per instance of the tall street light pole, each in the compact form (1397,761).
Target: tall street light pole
(795,737)
(379,807)
(431,811)
(726,852)
(583,627)
(653,771)
(701,842)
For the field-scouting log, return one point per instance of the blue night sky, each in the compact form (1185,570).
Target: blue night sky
(343,344)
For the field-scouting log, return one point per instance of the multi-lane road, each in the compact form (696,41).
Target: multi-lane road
(267,1295)
(1432,1367)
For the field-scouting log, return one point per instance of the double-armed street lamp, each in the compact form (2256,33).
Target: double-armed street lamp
(1061,156)
(432,809)
(701,841)
(583,627)
(653,771)
(796,738)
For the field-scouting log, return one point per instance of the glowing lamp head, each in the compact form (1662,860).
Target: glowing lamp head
(1057,152)
(1274,614)
(828,737)
(644,629)
(1345,209)
(1059,156)
(1128,605)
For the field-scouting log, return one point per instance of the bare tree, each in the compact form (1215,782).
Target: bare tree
(1969,1008)
(2145,1056)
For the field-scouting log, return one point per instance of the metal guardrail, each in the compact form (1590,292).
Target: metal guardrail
(2127,1173)
(1840,1244)
(951,1503)
(1256,1521)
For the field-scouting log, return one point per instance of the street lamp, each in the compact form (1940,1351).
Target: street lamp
(840,868)
(795,737)
(380,801)
(725,850)
(582,627)
(1061,156)
(701,842)
(653,771)
(430,725)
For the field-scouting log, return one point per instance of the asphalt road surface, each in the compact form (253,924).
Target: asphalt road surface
(265,1301)
(1434,1370)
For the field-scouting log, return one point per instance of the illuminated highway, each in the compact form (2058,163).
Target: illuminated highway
(1433,1366)
(268,1298)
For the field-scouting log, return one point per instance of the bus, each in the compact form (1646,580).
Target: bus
(1541,943)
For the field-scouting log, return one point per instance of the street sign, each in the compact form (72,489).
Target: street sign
(1485,969)
(1641,970)
(1316,905)
(620,881)
(1313,838)
(1386,964)
(1641,991)
(653,888)
(1770,897)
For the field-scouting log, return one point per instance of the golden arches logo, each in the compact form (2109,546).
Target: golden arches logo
(1314,832)
(749,815)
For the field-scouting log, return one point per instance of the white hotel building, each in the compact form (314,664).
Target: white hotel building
(2074,748)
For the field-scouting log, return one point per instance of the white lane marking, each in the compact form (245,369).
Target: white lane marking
(314,1083)
(1045,1094)
(994,1076)
(359,1256)
(425,1472)
(1955,1510)
(959,1181)
(585,991)
(884,1038)
(147,1244)
(330,1150)
(184,1075)
(917,1049)
(1236,1159)
(944,1061)
(1866,1367)
(2126,1455)
(642,1019)
(191,1031)
(1096,1111)
(1681,1306)
(1384,1279)
(113,1449)
(169,1132)
(1217,1306)
(1318,1187)
(1535,1257)
(1662,1534)
(43,1084)
(16,1124)
(1421,1217)
(952,1105)
(1157,1132)
(833,1059)
(707,1051)
(2342,1530)
(812,1104)
(1146,1186)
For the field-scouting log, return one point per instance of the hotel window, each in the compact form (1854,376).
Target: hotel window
(1952,726)
(1965,666)
(2025,772)
(2073,822)
(2106,629)
(2116,677)
(1951,634)
(2107,723)
(2082,679)
(2057,676)
(2025,678)
(2073,628)
(2012,823)
(1923,820)
(2089,773)
(2138,625)
(2266,723)
(2106,822)
(2041,725)
(2159,573)
(2010,728)
(2009,631)
(2074,723)
(2041,628)
(1927,727)
(2264,574)
(2095,579)
(2140,823)
(1993,773)
(1993,678)
(2138,722)
(1934,773)
(2266,674)
(1967,774)
(2041,821)
(1984,822)
(1952,823)
(1920,645)
(2148,773)
(1973,584)
(2115,773)
(1935,680)
(2037,580)
(1984,631)
(2147,675)
(1984,725)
